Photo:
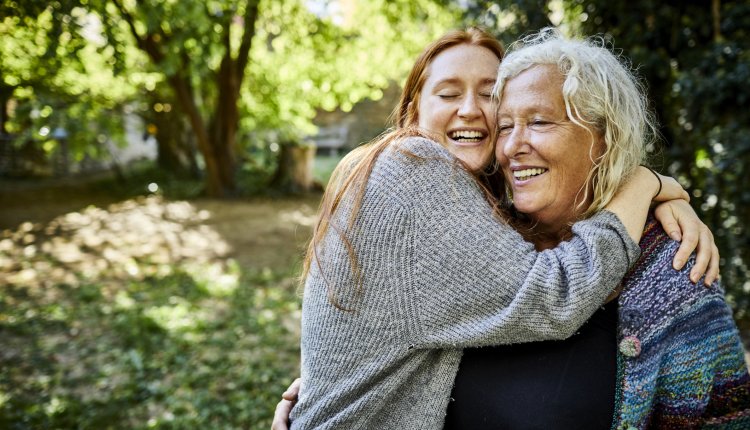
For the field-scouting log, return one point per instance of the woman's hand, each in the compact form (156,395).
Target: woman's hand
(682,224)
(284,407)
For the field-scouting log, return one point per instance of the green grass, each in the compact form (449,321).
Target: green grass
(163,352)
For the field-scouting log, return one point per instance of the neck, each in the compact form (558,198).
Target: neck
(548,232)
(548,239)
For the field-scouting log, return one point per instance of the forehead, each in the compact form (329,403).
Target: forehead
(536,87)
(463,62)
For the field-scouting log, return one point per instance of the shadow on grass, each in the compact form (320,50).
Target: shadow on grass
(164,352)
(134,317)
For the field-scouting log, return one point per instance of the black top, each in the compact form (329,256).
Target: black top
(568,384)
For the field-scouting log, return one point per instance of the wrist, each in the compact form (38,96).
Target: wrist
(652,173)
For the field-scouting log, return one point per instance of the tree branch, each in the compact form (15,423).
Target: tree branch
(251,16)
(147,43)
(716,15)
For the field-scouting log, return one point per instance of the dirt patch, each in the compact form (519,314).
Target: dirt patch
(263,233)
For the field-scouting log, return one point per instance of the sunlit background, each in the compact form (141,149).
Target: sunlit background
(161,163)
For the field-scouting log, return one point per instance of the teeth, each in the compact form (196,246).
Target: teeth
(466,134)
(528,173)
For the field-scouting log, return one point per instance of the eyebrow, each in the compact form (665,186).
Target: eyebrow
(537,108)
(454,80)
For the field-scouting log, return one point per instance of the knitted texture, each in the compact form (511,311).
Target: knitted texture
(439,272)
(688,370)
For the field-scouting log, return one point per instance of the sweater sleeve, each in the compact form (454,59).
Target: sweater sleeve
(478,282)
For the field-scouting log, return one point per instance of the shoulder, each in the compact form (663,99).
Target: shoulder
(415,163)
(655,291)
(424,148)
(655,264)
(416,151)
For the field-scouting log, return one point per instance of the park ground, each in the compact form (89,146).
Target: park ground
(145,311)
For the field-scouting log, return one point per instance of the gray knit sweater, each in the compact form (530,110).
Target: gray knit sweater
(439,273)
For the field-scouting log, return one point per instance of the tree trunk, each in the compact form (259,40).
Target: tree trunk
(294,172)
(716,19)
(176,151)
(5,94)
(215,180)
(217,140)
(225,121)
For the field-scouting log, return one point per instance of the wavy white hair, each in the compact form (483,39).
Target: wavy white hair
(601,94)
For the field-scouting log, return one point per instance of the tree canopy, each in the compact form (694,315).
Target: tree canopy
(231,67)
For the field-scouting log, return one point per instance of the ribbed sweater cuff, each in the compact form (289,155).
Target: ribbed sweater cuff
(608,219)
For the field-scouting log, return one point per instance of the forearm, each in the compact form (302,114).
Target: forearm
(632,202)
(514,294)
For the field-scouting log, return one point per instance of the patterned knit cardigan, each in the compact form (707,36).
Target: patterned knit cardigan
(680,360)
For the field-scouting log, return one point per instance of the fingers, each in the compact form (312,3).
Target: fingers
(292,392)
(690,236)
(682,224)
(284,407)
(706,257)
(281,415)
(667,217)
(713,268)
(702,255)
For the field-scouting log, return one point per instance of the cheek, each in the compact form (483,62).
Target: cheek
(430,116)
(574,171)
(422,113)
(500,154)
(490,111)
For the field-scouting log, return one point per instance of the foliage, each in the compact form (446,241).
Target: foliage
(274,61)
(59,78)
(163,353)
(324,165)
(257,65)
(335,60)
(508,19)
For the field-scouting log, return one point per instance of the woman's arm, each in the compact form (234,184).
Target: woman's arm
(472,280)
(631,204)
(675,215)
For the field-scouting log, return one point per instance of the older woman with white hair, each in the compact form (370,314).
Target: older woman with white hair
(573,125)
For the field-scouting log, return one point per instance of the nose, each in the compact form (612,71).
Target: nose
(513,144)
(469,109)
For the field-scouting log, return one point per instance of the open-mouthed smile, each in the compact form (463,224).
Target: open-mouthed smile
(467,137)
(528,173)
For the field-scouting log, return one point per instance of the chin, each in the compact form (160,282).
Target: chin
(529,210)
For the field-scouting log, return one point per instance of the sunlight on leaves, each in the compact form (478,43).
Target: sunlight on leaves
(175,317)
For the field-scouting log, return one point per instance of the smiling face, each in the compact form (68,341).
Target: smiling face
(455,102)
(545,156)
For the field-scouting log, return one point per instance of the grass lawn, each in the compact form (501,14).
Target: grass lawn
(150,313)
